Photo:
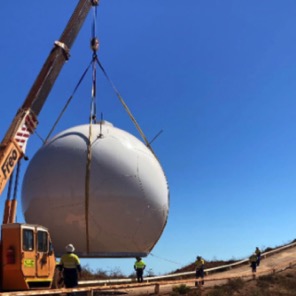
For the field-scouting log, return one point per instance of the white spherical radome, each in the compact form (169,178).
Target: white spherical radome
(119,209)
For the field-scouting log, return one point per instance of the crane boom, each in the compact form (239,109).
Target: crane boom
(13,145)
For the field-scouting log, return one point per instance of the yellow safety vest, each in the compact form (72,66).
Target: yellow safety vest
(139,264)
(70,260)
(253,258)
(199,263)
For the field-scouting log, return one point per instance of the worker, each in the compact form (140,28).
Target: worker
(258,254)
(253,262)
(69,267)
(199,265)
(139,267)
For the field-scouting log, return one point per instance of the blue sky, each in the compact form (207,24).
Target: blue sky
(218,77)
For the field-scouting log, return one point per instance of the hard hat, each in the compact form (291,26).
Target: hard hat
(70,248)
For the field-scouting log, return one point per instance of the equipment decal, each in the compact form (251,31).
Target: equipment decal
(9,163)
(29,263)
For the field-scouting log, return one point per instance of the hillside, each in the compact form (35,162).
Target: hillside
(280,284)
(276,275)
(216,263)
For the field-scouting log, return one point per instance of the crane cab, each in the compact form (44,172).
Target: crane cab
(27,258)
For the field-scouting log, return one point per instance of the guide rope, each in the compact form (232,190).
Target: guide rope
(161,258)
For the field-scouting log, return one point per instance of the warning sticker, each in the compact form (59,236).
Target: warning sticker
(29,263)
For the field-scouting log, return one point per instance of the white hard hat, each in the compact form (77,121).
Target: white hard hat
(70,248)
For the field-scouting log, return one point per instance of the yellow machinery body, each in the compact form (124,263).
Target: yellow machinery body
(27,257)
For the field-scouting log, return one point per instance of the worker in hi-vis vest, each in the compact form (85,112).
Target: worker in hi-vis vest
(139,267)
(258,253)
(69,267)
(199,272)
(253,262)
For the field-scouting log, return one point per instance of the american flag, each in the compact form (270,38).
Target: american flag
(26,128)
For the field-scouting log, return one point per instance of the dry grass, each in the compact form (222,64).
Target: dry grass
(280,284)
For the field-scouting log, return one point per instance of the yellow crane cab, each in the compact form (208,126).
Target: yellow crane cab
(27,257)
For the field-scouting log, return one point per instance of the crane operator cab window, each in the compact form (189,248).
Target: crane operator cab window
(28,240)
(42,241)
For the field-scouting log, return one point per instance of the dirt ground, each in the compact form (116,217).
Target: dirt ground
(280,264)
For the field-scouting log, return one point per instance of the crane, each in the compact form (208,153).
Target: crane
(27,257)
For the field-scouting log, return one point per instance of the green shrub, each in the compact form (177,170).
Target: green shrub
(181,289)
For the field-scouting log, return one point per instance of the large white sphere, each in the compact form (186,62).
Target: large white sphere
(125,207)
